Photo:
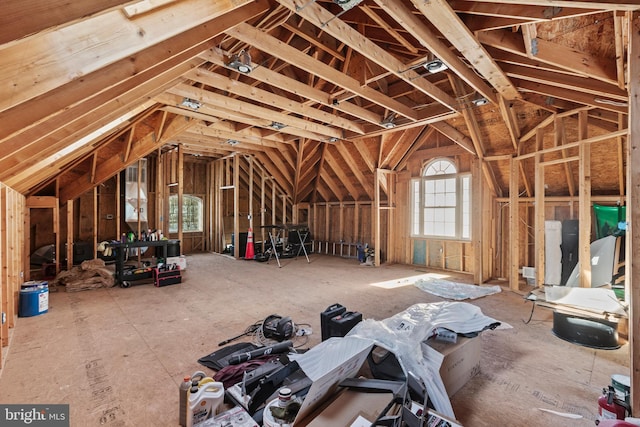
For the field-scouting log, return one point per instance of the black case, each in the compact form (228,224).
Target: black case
(341,324)
(167,277)
(326,316)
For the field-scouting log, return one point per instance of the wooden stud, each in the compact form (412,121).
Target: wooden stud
(539,240)
(514,226)
(632,267)
(584,209)
(70,226)
(181,193)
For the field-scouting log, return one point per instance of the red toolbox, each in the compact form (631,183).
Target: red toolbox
(165,276)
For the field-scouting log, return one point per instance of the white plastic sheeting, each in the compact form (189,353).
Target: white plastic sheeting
(404,332)
(454,290)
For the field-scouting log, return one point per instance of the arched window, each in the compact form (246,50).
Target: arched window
(192,213)
(441,202)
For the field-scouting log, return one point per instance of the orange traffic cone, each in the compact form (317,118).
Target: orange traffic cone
(249,253)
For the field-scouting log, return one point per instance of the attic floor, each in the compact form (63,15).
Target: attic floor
(116,356)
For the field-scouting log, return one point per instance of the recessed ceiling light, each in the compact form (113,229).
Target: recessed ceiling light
(191,103)
(480,101)
(278,125)
(435,66)
(241,62)
(388,121)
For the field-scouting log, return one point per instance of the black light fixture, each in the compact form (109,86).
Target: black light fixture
(241,62)
(435,66)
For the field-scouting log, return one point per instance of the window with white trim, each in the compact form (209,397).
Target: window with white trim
(192,213)
(441,202)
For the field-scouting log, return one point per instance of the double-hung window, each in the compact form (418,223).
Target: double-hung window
(441,202)
(192,213)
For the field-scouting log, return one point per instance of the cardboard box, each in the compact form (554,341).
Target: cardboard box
(360,402)
(461,361)
(179,260)
(348,406)
(327,365)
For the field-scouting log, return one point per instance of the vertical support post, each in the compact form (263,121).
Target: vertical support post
(95,221)
(69,234)
(376,218)
(539,217)
(477,222)
(584,214)
(180,193)
(118,216)
(514,225)
(632,267)
(236,206)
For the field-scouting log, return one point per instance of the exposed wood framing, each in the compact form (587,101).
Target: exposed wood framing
(632,267)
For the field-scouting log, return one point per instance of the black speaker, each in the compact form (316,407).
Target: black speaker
(326,316)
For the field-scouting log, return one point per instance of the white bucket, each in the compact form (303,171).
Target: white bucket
(204,401)
(267,418)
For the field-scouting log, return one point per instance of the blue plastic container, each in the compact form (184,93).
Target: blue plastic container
(34,298)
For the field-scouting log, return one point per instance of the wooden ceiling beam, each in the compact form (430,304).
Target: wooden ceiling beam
(350,159)
(454,135)
(555,54)
(330,183)
(260,40)
(440,14)
(429,40)
(65,54)
(594,87)
(389,29)
(114,164)
(283,181)
(293,86)
(313,35)
(583,4)
(22,18)
(345,179)
(99,94)
(206,132)
(322,18)
(295,125)
(264,97)
(38,143)
(574,96)
(531,12)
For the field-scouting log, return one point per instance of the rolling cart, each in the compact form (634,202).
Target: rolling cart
(124,277)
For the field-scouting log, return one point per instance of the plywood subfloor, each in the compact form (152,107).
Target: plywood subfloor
(117,355)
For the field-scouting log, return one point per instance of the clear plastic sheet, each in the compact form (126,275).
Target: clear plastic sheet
(454,290)
(404,332)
